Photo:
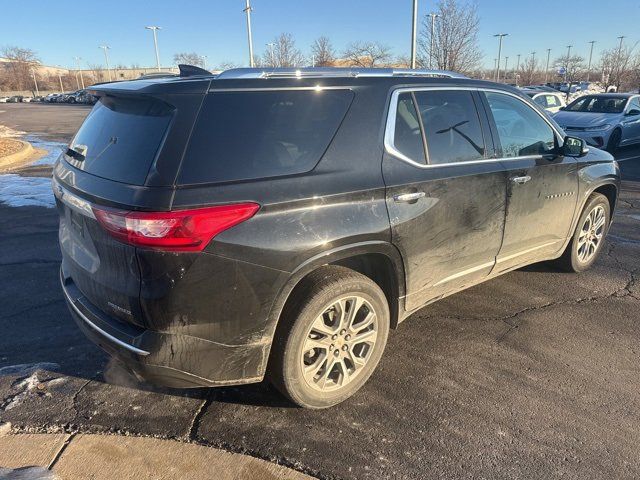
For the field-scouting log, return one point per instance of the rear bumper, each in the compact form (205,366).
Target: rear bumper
(172,360)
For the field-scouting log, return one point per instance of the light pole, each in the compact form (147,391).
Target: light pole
(500,36)
(272,58)
(433,28)
(517,69)
(248,10)
(590,57)
(204,61)
(61,87)
(106,58)
(506,72)
(414,32)
(566,64)
(33,72)
(546,70)
(77,59)
(155,29)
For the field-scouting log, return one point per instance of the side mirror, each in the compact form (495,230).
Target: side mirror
(633,112)
(574,147)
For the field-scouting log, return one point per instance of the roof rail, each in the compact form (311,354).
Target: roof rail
(325,72)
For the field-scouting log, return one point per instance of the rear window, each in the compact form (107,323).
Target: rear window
(121,137)
(257,134)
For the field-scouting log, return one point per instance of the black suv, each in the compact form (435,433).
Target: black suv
(217,229)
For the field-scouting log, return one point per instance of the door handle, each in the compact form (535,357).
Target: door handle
(521,180)
(408,197)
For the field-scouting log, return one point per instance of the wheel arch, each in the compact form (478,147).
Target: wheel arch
(378,260)
(610,191)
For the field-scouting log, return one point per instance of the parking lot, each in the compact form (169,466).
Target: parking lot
(531,375)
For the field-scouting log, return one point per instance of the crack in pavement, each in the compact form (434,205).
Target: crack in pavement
(61,450)
(192,433)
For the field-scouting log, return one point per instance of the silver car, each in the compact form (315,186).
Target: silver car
(606,120)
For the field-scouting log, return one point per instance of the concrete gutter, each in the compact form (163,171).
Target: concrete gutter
(25,152)
(61,456)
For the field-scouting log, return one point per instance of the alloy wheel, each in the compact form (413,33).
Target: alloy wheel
(591,234)
(339,343)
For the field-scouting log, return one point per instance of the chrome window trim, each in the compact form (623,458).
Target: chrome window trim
(390,126)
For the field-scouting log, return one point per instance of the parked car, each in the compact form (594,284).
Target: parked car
(50,97)
(217,229)
(15,99)
(4,99)
(609,120)
(542,88)
(550,101)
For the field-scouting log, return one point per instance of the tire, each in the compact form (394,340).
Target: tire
(614,141)
(325,297)
(72,100)
(580,255)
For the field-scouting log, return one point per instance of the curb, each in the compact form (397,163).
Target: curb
(62,456)
(8,160)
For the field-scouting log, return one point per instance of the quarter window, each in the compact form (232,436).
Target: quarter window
(451,126)
(408,134)
(522,131)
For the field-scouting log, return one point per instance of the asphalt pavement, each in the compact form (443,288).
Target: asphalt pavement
(531,375)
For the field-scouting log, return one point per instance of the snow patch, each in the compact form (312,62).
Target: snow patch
(53,149)
(24,386)
(27,368)
(27,473)
(10,132)
(18,191)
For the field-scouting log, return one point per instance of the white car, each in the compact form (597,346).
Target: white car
(4,99)
(550,101)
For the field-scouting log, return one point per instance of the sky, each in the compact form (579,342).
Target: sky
(61,30)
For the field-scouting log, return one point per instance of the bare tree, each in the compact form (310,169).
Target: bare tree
(367,54)
(283,53)
(573,67)
(455,37)
(529,72)
(97,73)
(190,58)
(226,66)
(21,61)
(617,65)
(323,52)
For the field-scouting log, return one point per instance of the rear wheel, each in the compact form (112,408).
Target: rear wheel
(331,337)
(588,238)
(614,141)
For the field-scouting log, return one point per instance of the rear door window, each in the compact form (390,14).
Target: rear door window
(256,134)
(120,138)
(451,126)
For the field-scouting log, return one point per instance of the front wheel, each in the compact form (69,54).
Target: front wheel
(588,238)
(614,141)
(331,338)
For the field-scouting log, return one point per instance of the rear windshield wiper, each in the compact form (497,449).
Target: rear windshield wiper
(75,154)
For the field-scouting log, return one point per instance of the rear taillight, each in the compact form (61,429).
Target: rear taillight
(181,230)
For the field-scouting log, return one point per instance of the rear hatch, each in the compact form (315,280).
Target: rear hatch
(114,163)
